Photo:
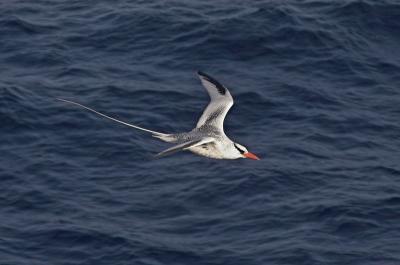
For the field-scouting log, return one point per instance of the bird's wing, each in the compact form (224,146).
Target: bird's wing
(184,146)
(221,102)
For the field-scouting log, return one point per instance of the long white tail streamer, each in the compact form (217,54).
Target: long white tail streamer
(111,118)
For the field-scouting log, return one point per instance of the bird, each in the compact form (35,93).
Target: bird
(208,137)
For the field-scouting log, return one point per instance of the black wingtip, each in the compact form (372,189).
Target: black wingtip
(201,73)
(218,85)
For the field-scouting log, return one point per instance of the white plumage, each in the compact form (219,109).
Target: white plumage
(208,138)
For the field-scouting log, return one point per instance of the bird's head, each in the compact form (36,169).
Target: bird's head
(243,153)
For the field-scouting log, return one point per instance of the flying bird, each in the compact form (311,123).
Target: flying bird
(208,138)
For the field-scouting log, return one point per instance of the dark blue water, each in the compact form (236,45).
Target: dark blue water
(317,96)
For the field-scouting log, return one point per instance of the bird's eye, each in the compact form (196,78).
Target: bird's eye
(240,150)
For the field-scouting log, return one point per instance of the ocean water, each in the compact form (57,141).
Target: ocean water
(317,96)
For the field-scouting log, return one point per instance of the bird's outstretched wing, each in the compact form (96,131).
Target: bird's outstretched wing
(221,102)
(184,146)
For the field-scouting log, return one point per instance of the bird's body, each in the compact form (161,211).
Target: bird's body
(214,149)
(208,137)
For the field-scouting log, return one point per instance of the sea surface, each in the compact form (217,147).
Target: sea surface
(317,97)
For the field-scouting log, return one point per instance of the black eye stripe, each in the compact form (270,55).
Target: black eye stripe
(240,150)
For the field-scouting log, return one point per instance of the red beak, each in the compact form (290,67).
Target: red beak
(251,156)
